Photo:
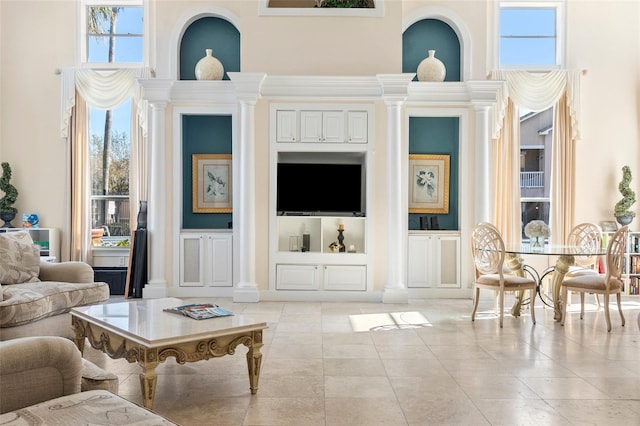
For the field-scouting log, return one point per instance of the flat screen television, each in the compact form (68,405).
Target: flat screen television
(320,189)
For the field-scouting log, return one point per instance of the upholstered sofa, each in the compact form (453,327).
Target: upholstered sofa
(40,383)
(36,296)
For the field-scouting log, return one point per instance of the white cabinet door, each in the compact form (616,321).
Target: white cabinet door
(333,126)
(286,126)
(220,260)
(311,126)
(191,264)
(322,126)
(345,277)
(357,127)
(433,261)
(206,260)
(419,270)
(296,277)
(447,261)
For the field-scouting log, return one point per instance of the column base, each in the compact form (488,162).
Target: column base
(247,293)
(395,295)
(154,290)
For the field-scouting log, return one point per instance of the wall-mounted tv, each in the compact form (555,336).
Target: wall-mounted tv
(321,189)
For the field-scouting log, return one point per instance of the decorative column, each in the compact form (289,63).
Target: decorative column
(248,92)
(394,93)
(157,93)
(483,190)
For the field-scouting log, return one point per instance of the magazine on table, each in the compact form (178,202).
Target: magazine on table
(200,311)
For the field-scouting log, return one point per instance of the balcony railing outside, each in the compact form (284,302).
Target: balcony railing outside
(531,179)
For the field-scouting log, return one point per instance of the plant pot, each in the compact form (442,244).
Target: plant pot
(7,217)
(624,220)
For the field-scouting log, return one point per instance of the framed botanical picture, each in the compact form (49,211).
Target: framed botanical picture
(428,183)
(211,175)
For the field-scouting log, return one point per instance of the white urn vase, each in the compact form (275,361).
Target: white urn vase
(209,67)
(431,68)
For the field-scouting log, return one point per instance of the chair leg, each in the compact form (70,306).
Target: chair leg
(597,296)
(619,297)
(532,305)
(606,311)
(475,304)
(581,305)
(501,307)
(565,294)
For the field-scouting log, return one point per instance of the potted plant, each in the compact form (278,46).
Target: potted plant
(622,210)
(7,211)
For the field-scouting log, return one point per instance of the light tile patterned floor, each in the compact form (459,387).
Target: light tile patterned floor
(317,370)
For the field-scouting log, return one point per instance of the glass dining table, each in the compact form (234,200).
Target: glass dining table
(565,254)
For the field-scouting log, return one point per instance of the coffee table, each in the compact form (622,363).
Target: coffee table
(141,332)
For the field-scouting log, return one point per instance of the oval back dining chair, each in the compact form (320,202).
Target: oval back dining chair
(488,254)
(606,284)
(587,236)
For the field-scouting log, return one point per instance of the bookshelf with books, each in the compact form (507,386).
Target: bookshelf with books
(631,267)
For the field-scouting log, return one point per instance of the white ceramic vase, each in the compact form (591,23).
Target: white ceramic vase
(209,67)
(431,68)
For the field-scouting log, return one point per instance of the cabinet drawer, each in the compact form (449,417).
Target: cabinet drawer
(296,277)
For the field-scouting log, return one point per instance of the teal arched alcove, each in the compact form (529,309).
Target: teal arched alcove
(209,33)
(431,34)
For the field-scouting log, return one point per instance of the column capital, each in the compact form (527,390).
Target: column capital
(395,87)
(155,90)
(248,85)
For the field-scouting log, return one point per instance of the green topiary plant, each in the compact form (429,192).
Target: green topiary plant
(10,191)
(623,207)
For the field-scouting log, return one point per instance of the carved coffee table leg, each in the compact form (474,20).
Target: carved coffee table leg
(254,360)
(562,267)
(78,333)
(148,377)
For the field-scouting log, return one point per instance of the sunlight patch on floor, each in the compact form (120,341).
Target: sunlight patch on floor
(388,321)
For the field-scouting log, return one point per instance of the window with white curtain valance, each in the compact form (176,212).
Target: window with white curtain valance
(102,89)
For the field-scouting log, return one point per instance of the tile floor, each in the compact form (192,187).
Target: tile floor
(317,370)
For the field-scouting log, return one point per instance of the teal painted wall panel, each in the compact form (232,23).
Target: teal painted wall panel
(431,34)
(438,135)
(209,33)
(203,134)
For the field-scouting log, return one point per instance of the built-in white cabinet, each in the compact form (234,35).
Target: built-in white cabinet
(303,253)
(322,126)
(286,125)
(433,260)
(297,277)
(206,259)
(357,127)
(344,277)
(333,277)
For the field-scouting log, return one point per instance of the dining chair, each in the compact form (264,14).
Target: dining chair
(488,255)
(606,284)
(587,236)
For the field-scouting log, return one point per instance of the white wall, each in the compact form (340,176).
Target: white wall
(38,36)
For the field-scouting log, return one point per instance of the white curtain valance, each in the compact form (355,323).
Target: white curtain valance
(104,90)
(537,92)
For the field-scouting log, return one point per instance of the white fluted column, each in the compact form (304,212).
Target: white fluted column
(394,93)
(157,92)
(244,218)
(483,190)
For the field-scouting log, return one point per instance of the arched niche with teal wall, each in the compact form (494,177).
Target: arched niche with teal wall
(438,135)
(209,33)
(203,134)
(431,34)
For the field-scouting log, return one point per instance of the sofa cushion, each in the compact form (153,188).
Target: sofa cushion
(19,258)
(96,407)
(28,302)
(94,377)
